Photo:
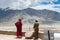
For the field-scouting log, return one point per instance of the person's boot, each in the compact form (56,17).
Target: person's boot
(35,38)
(19,37)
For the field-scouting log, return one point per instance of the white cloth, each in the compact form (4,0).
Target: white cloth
(28,33)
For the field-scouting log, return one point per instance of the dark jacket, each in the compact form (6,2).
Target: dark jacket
(36,26)
(36,29)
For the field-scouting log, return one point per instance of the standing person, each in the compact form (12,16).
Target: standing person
(36,29)
(18,25)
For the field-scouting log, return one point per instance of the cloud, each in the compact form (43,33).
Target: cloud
(5,3)
(48,1)
(57,6)
(21,4)
(49,7)
(36,4)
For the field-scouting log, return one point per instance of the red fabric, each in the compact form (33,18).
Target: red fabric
(19,28)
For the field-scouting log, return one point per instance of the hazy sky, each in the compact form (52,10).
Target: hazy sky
(36,4)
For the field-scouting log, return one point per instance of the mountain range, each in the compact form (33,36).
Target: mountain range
(10,16)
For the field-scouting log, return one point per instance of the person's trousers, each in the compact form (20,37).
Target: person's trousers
(36,35)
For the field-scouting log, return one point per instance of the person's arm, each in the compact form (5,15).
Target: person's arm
(16,24)
(34,26)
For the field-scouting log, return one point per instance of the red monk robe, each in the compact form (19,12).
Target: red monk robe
(18,25)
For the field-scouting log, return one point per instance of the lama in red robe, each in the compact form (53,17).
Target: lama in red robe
(18,25)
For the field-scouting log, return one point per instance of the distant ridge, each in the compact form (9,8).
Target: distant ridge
(29,14)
